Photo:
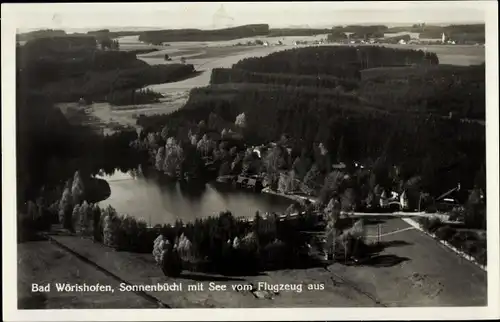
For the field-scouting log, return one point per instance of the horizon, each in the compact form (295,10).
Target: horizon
(152,28)
(219,15)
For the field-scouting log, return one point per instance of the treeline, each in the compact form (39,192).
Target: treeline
(37,71)
(362,32)
(234,75)
(461,34)
(284,32)
(132,96)
(106,33)
(96,86)
(158,37)
(43,33)
(338,61)
(54,46)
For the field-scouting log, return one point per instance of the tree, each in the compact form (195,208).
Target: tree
(160,158)
(332,185)
(205,146)
(96,223)
(340,151)
(225,169)
(284,183)
(77,189)
(115,45)
(173,157)
(240,120)
(348,200)
(300,167)
(313,178)
(66,208)
(111,227)
(215,122)
(75,218)
(164,133)
(85,218)
(475,211)
(332,212)
(480,178)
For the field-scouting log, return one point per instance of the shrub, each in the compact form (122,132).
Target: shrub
(430,224)
(445,233)
(171,263)
(274,255)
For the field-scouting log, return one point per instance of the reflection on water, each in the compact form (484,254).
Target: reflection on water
(158,200)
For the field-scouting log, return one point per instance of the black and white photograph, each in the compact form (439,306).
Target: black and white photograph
(266,155)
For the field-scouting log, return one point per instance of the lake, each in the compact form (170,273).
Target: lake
(160,201)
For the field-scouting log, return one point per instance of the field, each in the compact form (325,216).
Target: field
(42,262)
(206,56)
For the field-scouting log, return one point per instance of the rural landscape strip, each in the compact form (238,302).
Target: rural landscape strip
(142,294)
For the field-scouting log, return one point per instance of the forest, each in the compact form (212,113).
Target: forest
(67,69)
(158,37)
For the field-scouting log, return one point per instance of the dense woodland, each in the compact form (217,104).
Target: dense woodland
(161,36)
(69,68)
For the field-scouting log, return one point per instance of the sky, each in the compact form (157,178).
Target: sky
(277,14)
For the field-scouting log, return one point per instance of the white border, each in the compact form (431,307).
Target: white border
(10,20)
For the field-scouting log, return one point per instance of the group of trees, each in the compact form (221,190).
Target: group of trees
(227,245)
(67,74)
(336,61)
(108,43)
(234,75)
(132,96)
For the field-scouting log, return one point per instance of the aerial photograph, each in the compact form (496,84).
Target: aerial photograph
(246,155)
